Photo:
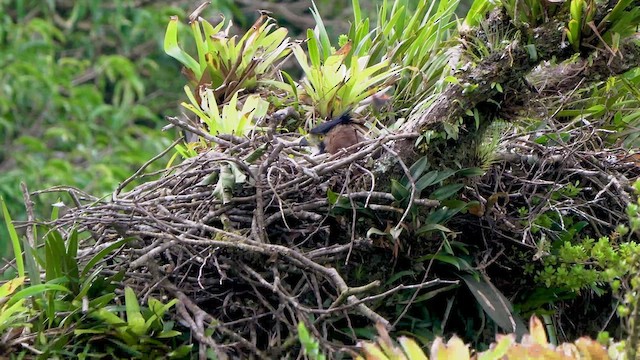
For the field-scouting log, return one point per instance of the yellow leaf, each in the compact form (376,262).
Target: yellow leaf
(499,348)
(568,350)
(10,286)
(412,349)
(540,352)
(453,349)
(591,349)
(438,349)
(373,352)
(457,349)
(536,328)
(517,351)
(384,341)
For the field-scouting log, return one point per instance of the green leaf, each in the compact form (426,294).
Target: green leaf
(446,191)
(441,215)
(495,305)
(292,83)
(426,180)
(172,48)
(55,256)
(15,241)
(181,352)
(201,45)
(158,310)
(471,172)
(134,316)
(431,294)
(477,12)
(576,8)
(376,231)
(256,154)
(322,32)
(398,275)
(398,191)
(313,50)
(108,317)
(432,227)
(433,177)
(459,263)
(574,33)
(36,289)
(357,14)
(101,301)
(418,167)
(102,253)
(168,334)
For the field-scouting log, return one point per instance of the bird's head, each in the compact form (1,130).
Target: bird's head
(315,141)
(333,135)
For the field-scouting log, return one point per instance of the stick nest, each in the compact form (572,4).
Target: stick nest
(252,260)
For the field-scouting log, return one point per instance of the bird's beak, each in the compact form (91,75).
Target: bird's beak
(311,141)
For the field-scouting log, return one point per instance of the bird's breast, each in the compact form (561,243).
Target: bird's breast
(341,137)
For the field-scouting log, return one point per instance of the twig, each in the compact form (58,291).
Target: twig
(142,168)
(28,203)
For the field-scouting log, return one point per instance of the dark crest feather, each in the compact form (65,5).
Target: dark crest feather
(325,127)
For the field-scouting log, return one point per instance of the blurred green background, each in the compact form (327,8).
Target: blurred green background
(85,87)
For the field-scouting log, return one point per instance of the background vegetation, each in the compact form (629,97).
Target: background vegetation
(540,169)
(85,88)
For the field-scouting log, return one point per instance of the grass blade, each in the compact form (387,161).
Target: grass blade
(15,241)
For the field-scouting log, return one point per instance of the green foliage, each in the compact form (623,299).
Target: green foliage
(405,191)
(310,345)
(15,241)
(617,101)
(65,105)
(73,311)
(528,12)
(364,65)
(576,263)
(495,305)
(332,85)
(70,312)
(587,264)
(227,65)
(75,119)
(142,335)
(487,41)
(582,31)
(477,13)
(582,13)
(231,120)
(628,287)
(440,191)
(417,40)
(336,81)
(14,314)
(224,69)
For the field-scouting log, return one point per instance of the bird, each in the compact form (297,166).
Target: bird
(334,135)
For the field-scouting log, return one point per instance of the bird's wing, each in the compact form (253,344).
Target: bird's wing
(340,137)
(325,127)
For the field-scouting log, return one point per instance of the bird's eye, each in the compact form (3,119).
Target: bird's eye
(321,137)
